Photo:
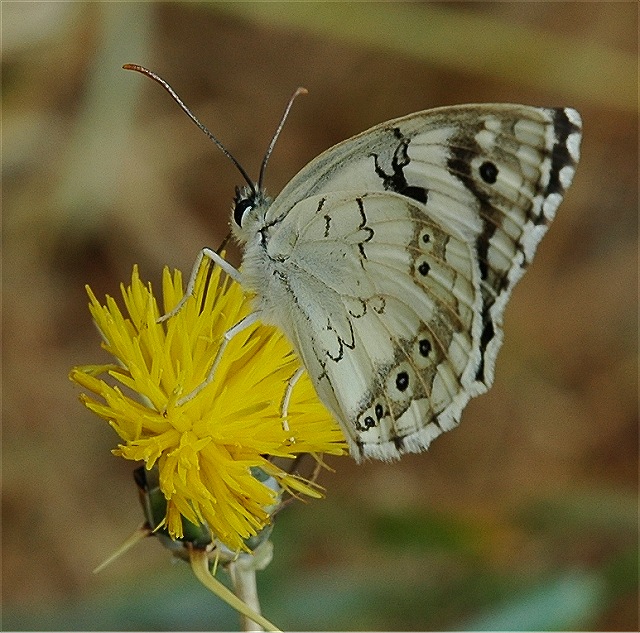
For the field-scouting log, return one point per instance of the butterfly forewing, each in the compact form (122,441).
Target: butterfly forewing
(388,261)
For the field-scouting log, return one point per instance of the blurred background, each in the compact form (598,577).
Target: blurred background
(523,518)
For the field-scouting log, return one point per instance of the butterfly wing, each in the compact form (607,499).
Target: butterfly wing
(388,261)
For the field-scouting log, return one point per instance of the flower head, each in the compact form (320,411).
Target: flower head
(213,444)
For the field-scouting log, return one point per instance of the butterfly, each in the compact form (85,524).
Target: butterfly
(388,260)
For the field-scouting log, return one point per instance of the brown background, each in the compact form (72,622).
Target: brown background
(523,518)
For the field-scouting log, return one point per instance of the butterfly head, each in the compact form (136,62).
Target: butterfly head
(249,206)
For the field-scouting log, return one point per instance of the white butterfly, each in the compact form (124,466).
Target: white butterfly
(388,260)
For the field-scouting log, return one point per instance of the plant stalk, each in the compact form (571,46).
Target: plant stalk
(243,578)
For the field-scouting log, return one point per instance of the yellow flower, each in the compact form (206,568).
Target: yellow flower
(207,442)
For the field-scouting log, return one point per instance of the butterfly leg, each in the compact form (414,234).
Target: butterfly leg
(241,325)
(287,396)
(209,253)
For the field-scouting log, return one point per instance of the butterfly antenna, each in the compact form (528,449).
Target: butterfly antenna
(265,160)
(178,100)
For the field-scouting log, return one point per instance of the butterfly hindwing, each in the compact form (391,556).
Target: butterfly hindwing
(394,340)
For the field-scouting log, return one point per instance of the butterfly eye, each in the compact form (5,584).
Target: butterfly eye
(242,206)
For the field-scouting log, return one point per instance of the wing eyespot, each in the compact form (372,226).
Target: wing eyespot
(368,423)
(424,347)
(402,381)
(488,172)
(424,269)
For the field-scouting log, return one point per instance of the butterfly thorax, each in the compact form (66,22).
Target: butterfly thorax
(267,247)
